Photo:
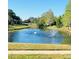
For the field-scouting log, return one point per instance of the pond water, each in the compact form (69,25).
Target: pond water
(37,36)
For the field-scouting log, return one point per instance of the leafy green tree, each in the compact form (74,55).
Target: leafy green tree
(58,22)
(26,21)
(67,15)
(12,18)
(41,23)
(48,17)
(35,20)
(11,13)
(31,20)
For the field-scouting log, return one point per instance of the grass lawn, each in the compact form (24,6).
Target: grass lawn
(25,46)
(16,27)
(39,56)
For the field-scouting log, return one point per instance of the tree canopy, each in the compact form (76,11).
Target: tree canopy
(67,15)
(48,17)
(12,18)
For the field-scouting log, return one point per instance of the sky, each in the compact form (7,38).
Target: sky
(35,8)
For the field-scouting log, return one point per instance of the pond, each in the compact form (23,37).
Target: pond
(36,36)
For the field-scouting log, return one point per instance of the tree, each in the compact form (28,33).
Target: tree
(31,20)
(12,18)
(48,17)
(66,20)
(58,22)
(35,20)
(26,21)
(11,13)
(42,23)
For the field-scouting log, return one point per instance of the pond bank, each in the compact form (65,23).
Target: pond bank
(17,27)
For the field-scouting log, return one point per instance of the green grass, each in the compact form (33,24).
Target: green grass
(39,56)
(16,27)
(25,46)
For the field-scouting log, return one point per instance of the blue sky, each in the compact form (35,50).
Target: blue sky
(34,8)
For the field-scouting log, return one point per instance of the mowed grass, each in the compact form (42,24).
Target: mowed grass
(39,56)
(16,27)
(25,46)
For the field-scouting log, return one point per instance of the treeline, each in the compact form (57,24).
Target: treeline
(46,19)
(12,18)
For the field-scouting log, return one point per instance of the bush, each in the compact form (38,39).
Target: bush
(33,25)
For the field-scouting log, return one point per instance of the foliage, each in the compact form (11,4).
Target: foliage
(66,32)
(12,18)
(31,20)
(67,15)
(46,19)
(49,17)
(42,23)
(33,25)
(58,22)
